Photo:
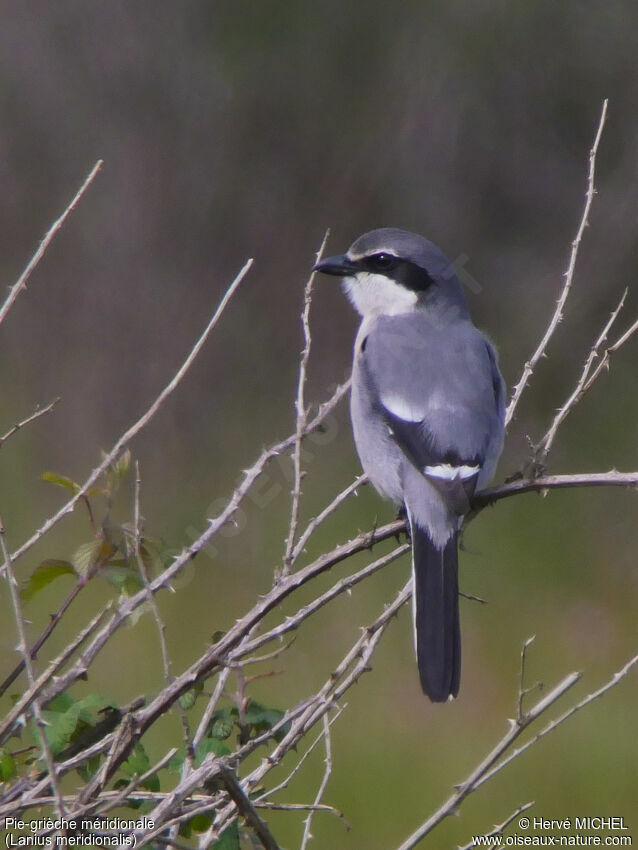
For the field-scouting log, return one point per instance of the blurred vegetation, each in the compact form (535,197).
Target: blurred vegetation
(245,129)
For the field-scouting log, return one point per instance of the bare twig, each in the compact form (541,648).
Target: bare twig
(613,478)
(288,779)
(14,590)
(301,416)
(522,691)
(303,807)
(163,813)
(141,566)
(314,523)
(615,679)
(20,284)
(493,763)
(246,809)
(569,276)
(37,413)
(294,620)
(112,799)
(471,783)
(137,426)
(159,623)
(307,834)
(499,828)
(604,361)
(587,378)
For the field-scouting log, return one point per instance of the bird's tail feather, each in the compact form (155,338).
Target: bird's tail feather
(435,599)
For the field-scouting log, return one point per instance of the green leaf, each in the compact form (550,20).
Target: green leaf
(86,555)
(262,718)
(117,471)
(87,771)
(137,764)
(7,765)
(122,464)
(229,840)
(67,719)
(200,823)
(61,703)
(187,700)
(115,536)
(222,722)
(125,579)
(44,574)
(61,481)
(210,745)
(60,727)
(93,703)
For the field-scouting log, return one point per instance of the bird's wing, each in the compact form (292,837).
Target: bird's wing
(440,393)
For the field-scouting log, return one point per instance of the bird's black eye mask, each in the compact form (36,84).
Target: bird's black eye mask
(406,273)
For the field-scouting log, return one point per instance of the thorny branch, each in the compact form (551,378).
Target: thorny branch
(21,282)
(587,378)
(301,416)
(557,316)
(307,833)
(37,413)
(35,708)
(494,761)
(499,828)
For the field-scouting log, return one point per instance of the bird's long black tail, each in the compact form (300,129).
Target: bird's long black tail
(436,615)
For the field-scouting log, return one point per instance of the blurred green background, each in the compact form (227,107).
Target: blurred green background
(243,129)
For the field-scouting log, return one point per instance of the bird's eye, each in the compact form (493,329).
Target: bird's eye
(382,262)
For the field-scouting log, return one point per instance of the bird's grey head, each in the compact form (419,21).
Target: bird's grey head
(390,271)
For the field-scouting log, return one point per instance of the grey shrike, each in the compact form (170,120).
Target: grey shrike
(427,408)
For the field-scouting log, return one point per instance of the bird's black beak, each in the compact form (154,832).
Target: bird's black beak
(340,266)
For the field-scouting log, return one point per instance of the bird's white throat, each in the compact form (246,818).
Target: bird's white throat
(377,295)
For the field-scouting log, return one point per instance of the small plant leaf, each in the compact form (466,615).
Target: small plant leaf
(262,718)
(44,574)
(122,464)
(210,745)
(200,823)
(187,700)
(137,764)
(125,579)
(229,840)
(61,481)
(67,719)
(85,556)
(222,722)
(7,765)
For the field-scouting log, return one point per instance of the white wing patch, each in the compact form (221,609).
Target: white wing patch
(401,408)
(447,472)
